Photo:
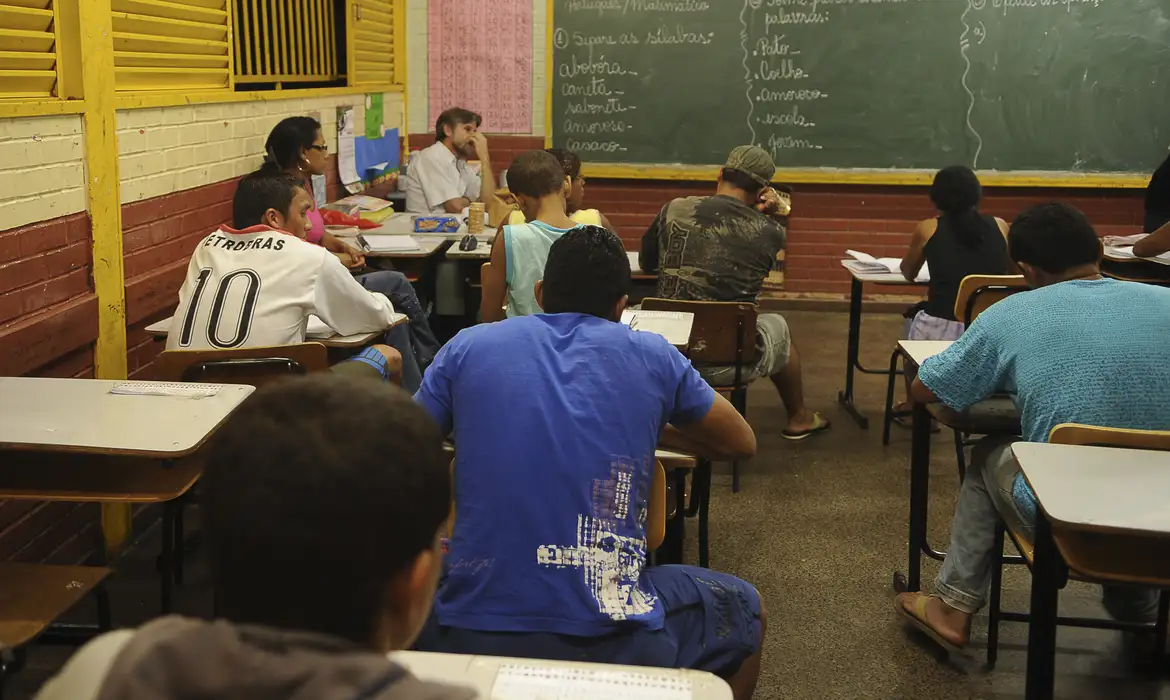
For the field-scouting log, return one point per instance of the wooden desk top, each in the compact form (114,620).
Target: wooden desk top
(878,277)
(316,331)
(919,350)
(1099,489)
(487,673)
(81,415)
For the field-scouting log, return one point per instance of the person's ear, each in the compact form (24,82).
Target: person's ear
(538,290)
(620,306)
(567,188)
(273,219)
(1030,274)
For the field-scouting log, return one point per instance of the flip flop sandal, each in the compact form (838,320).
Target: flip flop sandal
(917,618)
(820,425)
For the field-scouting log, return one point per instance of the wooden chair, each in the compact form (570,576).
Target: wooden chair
(724,333)
(1092,558)
(254,366)
(34,596)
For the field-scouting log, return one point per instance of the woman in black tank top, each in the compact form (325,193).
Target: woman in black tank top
(958,242)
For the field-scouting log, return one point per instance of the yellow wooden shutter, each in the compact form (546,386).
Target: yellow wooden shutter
(171,45)
(28,48)
(373,41)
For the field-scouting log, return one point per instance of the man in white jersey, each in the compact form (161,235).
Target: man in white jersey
(255,285)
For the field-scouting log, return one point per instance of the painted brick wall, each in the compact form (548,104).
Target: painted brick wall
(179,148)
(41,173)
(416,46)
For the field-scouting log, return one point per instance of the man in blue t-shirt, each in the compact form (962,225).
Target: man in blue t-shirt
(556,417)
(1077,348)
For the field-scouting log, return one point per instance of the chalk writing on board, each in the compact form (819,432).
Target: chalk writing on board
(479,56)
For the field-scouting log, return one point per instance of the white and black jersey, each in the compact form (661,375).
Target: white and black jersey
(257,287)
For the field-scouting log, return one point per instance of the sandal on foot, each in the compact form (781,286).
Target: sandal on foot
(820,425)
(916,616)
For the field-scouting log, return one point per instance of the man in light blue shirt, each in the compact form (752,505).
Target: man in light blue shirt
(556,417)
(1077,348)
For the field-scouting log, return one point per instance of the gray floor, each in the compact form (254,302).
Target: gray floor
(819,528)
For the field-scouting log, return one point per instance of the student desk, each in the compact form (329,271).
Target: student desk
(317,331)
(859,280)
(72,440)
(1086,492)
(528,679)
(916,352)
(482,252)
(1130,269)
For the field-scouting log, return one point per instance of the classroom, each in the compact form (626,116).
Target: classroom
(529,349)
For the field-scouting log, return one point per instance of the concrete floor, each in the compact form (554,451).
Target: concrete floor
(819,527)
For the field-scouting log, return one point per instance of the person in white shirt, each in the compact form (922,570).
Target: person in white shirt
(438,178)
(256,283)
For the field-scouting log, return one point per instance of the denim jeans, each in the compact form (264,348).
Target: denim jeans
(986,494)
(414,341)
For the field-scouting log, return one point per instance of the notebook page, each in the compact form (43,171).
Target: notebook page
(532,682)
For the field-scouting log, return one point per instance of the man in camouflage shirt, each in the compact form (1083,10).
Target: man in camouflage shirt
(721,248)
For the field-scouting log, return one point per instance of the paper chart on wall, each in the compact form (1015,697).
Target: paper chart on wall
(346,160)
(479,56)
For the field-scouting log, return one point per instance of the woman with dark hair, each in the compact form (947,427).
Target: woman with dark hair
(574,195)
(958,242)
(297,147)
(1157,222)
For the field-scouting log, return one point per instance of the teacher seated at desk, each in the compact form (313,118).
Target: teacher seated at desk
(438,179)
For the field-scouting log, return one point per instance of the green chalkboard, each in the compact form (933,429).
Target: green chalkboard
(1068,86)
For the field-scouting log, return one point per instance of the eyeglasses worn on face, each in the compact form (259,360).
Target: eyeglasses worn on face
(323,147)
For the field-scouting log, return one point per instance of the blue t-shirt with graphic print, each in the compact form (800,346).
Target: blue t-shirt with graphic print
(1085,351)
(556,418)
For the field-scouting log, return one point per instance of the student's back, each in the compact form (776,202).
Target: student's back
(570,407)
(973,245)
(1082,351)
(526,246)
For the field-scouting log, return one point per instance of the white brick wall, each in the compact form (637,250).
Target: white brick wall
(416,63)
(176,148)
(41,169)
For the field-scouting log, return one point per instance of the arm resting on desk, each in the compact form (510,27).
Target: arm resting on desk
(721,434)
(1154,244)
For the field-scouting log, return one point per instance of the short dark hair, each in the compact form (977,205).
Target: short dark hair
(739,179)
(307,529)
(570,162)
(454,117)
(955,189)
(288,139)
(265,189)
(535,174)
(587,272)
(1054,237)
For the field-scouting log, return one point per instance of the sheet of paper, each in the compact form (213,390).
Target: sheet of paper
(346,160)
(675,326)
(383,243)
(533,682)
(183,389)
(1124,240)
(479,56)
(364,202)
(864,262)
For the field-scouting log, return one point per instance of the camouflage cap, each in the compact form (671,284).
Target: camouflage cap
(754,162)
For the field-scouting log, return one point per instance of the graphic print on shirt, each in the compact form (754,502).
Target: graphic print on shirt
(611,563)
(243,316)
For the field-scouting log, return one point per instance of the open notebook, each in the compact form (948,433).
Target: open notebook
(386,243)
(675,326)
(863,262)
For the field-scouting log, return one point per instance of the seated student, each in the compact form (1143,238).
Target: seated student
(1158,199)
(957,243)
(297,147)
(1078,348)
(324,550)
(520,250)
(1154,244)
(575,198)
(721,248)
(256,284)
(556,417)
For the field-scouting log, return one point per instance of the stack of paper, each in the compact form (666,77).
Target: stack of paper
(363,202)
(1119,241)
(387,243)
(1125,252)
(863,262)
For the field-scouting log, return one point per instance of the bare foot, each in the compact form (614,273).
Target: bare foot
(952,625)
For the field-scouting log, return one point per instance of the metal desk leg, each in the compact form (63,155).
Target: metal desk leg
(1048,577)
(919,501)
(845,398)
(671,551)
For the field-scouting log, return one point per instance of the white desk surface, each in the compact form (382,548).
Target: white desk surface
(428,245)
(635,266)
(920,350)
(1099,488)
(483,249)
(479,673)
(81,415)
(877,277)
(317,331)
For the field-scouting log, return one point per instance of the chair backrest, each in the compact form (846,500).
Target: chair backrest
(724,332)
(1092,435)
(656,511)
(977,292)
(254,366)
